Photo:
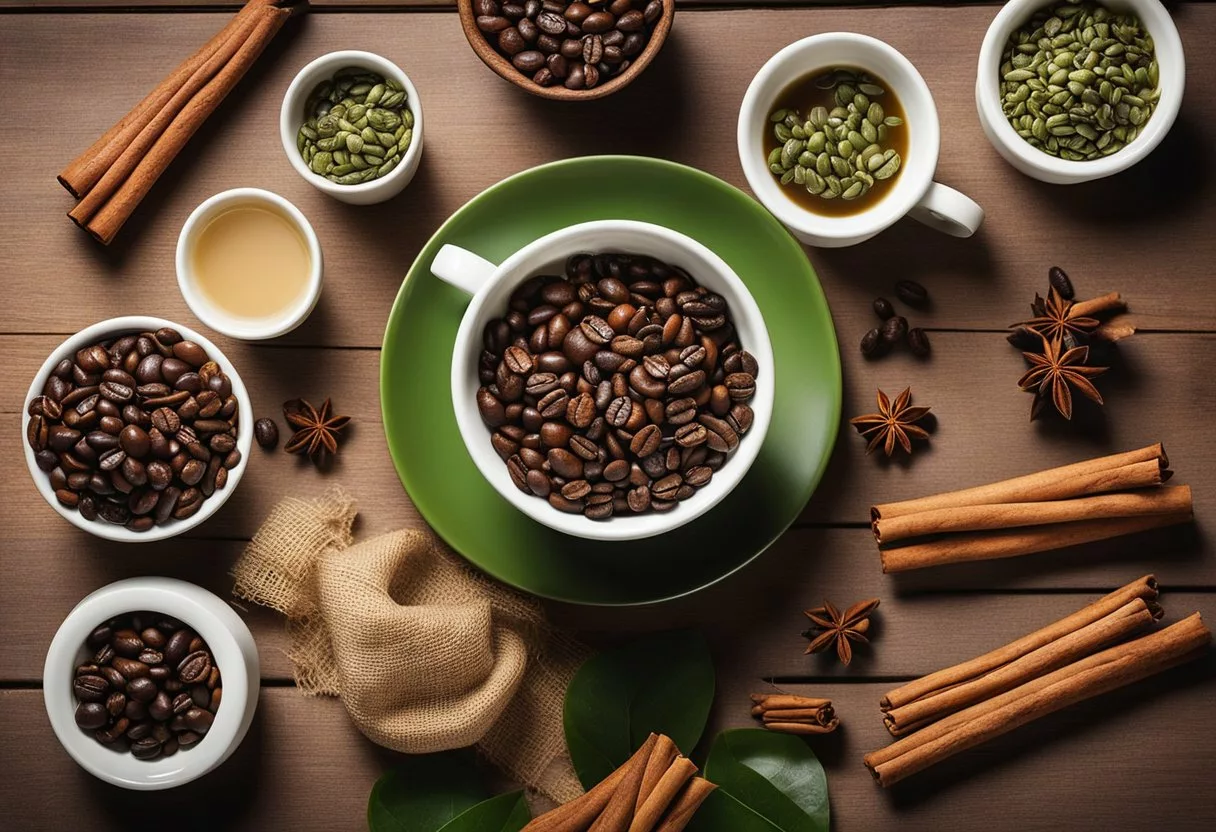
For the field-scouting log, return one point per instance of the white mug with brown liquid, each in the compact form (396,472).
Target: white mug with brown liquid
(788,80)
(249,264)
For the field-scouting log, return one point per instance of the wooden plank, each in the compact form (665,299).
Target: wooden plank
(1131,744)
(81,6)
(981,283)
(982,432)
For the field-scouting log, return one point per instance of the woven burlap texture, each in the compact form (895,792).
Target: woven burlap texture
(426,653)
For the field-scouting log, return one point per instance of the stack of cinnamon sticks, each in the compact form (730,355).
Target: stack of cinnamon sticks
(1092,500)
(789,714)
(656,790)
(954,709)
(113,176)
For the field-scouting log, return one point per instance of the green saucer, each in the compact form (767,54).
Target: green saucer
(469,514)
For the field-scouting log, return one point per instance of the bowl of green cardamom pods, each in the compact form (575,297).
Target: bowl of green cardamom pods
(351,125)
(1074,90)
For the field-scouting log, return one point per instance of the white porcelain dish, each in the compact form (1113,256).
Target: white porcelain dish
(1033,162)
(109,329)
(246,329)
(292,115)
(232,648)
(491,287)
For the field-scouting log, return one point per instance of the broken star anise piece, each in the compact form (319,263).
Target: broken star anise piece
(1056,317)
(893,423)
(1054,372)
(316,431)
(839,628)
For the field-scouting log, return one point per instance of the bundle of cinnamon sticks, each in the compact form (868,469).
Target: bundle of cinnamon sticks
(954,709)
(1092,500)
(113,176)
(789,714)
(656,790)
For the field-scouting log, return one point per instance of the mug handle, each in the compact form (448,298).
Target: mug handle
(462,268)
(948,210)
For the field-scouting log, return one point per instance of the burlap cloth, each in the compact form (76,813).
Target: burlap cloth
(426,653)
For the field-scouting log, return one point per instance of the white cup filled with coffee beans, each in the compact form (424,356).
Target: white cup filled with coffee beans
(612,380)
(150,683)
(838,137)
(137,429)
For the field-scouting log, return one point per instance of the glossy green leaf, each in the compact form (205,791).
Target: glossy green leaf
(767,782)
(503,813)
(424,792)
(662,683)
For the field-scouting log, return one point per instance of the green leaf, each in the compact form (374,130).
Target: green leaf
(662,683)
(424,792)
(767,782)
(504,813)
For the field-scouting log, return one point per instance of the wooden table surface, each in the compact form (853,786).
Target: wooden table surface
(1141,756)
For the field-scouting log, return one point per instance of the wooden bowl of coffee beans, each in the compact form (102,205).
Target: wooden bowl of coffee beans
(567,50)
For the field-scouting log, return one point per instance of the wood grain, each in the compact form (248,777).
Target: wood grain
(1132,758)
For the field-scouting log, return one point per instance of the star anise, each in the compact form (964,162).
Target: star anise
(892,423)
(1051,373)
(316,430)
(1055,318)
(839,628)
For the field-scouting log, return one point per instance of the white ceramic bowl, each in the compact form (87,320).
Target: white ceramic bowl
(232,648)
(491,287)
(248,329)
(913,192)
(1034,162)
(292,115)
(109,329)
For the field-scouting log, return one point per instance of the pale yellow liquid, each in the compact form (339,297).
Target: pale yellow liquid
(251,262)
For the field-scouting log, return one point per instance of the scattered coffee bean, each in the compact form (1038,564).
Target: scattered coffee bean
(133,688)
(660,377)
(872,344)
(577,44)
(894,330)
(112,420)
(918,341)
(883,308)
(1060,282)
(266,432)
(912,293)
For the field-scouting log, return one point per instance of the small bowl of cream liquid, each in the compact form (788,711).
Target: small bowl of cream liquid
(249,264)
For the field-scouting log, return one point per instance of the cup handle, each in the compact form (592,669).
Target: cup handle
(948,210)
(462,268)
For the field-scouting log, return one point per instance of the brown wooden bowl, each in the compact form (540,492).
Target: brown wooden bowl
(495,61)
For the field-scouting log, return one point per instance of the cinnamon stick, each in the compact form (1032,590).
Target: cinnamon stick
(1006,543)
(619,810)
(580,812)
(661,758)
(786,700)
(1095,306)
(664,793)
(804,728)
(820,715)
(83,172)
(1167,500)
(1135,615)
(1079,479)
(1142,588)
(686,805)
(1112,668)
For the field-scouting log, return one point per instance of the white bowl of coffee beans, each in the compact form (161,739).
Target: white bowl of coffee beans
(137,429)
(151,683)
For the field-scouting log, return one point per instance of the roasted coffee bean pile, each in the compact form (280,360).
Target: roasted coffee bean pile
(136,431)
(617,389)
(151,687)
(578,45)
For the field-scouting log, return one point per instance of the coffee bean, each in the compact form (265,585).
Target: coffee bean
(918,341)
(912,293)
(883,308)
(1060,281)
(872,344)
(894,330)
(91,715)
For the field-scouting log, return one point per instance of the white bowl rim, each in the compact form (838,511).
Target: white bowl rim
(475,434)
(248,329)
(290,115)
(206,614)
(109,328)
(913,182)
(1166,42)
